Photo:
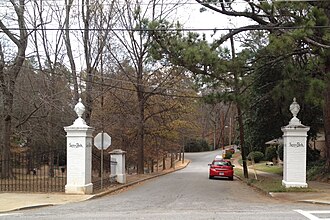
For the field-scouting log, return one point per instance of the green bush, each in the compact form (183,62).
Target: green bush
(228,155)
(313,155)
(257,156)
(270,153)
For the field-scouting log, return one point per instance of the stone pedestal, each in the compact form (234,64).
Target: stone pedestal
(118,156)
(295,149)
(79,156)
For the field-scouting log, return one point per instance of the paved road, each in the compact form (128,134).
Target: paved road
(186,194)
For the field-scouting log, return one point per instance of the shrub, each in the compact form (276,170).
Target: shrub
(312,155)
(228,155)
(270,153)
(257,156)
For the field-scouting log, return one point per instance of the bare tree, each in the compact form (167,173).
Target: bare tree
(135,42)
(68,4)
(49,55)
(9,70)
(100,18)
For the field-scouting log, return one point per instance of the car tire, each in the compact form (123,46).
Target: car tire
(231,178)
(210,177)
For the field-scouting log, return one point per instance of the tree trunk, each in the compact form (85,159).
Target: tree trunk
(239,113)
(172,160)
(141,133)
(86,14)
(69,50)
(326,116)
(164,161)
(8,78)
(326,105)
(6,171)
(242,141)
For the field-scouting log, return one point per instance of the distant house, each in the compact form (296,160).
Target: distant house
(276,142)
(319,143)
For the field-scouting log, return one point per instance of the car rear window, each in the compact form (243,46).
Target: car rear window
(221,163)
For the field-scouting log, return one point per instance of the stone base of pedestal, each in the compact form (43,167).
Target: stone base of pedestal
(287,184)
(121,178)
(81,190)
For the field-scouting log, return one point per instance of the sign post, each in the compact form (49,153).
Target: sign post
(102,141)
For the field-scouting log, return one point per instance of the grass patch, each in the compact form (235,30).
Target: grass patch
(238,172)
(269,169)
(268,184)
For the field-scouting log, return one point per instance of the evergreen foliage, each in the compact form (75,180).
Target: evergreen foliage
(276,81)
(313,155)
(256,156)
(228,155)
(270,153)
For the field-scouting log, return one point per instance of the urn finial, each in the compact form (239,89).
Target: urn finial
(294,108)
(79,108)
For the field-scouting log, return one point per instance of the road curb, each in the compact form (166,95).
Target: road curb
(315,202)
(254,187)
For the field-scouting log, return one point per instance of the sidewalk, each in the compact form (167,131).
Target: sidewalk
(320,191)
(11,201)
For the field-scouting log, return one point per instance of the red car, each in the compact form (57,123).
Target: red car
(221,168)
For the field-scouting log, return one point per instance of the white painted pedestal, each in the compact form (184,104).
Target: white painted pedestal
(79,157)
(119,157)
(295,149)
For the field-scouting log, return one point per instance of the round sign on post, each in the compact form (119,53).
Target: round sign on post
(102,141)
(106,141)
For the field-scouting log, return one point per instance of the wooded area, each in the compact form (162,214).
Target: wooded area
(154,85)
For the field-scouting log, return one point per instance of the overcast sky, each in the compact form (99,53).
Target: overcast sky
(191,17)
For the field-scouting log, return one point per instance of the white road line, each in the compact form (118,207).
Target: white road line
(307,214)
(310,216)
(320,212)
(9,214)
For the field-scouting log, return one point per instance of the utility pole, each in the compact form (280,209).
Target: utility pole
(230,130)
(223,129)
(239,112)
(214,134)
(102,120)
